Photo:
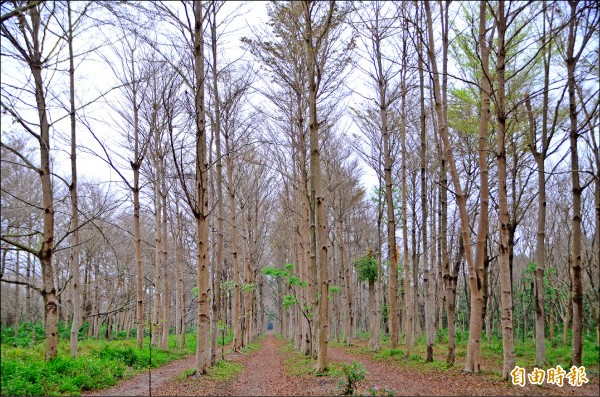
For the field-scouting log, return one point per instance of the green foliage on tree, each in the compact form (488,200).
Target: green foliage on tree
(286,275)
(366,268)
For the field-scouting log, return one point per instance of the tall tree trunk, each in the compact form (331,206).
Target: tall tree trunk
(416,323)
(219,176)
(508,343)
(443,193)
(47,250)
(74,259)
(317,187)
(247,281)
(237,300)
(345,269)
(164,343)
(201,210)
(181,280)
(391,222)
(137,234)
(474,265)
(540,159)
(157,303)
(576,283)
(409,315)
(429,332)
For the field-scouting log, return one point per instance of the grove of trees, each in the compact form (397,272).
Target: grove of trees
(331,169)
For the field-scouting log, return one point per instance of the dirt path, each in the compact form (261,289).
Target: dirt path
(139,385)
(264,374)
(410,382)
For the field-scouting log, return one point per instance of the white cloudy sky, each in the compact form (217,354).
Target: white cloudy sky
(94,79)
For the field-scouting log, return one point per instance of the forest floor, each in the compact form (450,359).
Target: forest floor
(275,370)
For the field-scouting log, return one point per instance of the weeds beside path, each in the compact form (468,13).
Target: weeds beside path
(409,381)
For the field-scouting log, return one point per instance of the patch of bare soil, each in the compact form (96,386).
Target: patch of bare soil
(411,382)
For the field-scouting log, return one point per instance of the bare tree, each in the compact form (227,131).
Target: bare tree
(27,37)
(586,12)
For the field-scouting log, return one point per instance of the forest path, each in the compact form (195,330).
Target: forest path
(139,384)
(453,382)
(264,374)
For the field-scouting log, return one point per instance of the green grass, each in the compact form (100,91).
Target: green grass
(100,364)
(228,338)
(225,370)
(296,363)
(250,347)
(491,352)
(299,364)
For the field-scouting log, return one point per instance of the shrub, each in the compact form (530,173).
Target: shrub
(352,375)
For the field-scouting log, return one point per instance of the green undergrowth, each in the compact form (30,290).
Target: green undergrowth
(491,353)
(225,370)
(298,364)
(100,364)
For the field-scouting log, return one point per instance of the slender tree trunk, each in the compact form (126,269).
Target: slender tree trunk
(427,279)
(47,250)
(508,344)
(237,305)
(164,343)
(391,222)
(317,188)
(474,265)
(157,303)
(74,259)
(181,281)
(409,316)
(540,254)
(247,281)
(219,176)
(576,282)
(416,329)
(201,210)
(137,234)
(443,195)
(17,294)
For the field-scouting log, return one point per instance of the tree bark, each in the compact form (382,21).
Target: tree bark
(474,265)
(157,302)
(219,176)
(576,282)
(429,332)
(74,259)
(409,315)
(166,312)
(317,184)
(46,252)
(201,211)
